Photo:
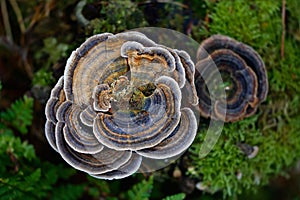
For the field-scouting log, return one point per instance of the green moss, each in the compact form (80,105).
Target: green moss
(285,75)
(117,16)
(50,54)
(274,129)
(278,149)
(293,8)
(244,21)
(43,77)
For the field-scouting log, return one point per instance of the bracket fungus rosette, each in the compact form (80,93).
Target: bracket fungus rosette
(244,79)
(120,101)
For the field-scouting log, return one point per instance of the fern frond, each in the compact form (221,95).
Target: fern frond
(19,115)
(142,190)
(68,192)
(179,196)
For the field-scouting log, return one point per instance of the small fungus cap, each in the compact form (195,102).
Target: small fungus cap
(244,79)
(119,101)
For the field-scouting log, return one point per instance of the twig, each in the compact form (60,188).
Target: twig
(27,66)
(80,17)
(206,20)
(283,28)
(6,21)
(18,13)
(40,12)
(14,160)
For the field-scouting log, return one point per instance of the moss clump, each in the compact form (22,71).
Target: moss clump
(117,16)
(228,169)
(274,129)
(244,21)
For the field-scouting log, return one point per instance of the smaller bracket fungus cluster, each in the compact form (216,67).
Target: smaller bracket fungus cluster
(119,101)
(244,79)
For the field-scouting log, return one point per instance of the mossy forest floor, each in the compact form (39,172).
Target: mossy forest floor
(37,37)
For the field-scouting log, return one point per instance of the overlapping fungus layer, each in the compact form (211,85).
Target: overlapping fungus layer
(244,79)
(119,101)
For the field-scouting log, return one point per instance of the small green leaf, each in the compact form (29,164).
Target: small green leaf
(179,196)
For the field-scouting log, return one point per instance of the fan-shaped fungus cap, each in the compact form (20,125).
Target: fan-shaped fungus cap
(57,97)
(244,79)
(172,145)
(120,99)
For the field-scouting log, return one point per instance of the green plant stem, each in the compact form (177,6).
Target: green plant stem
(18,13)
